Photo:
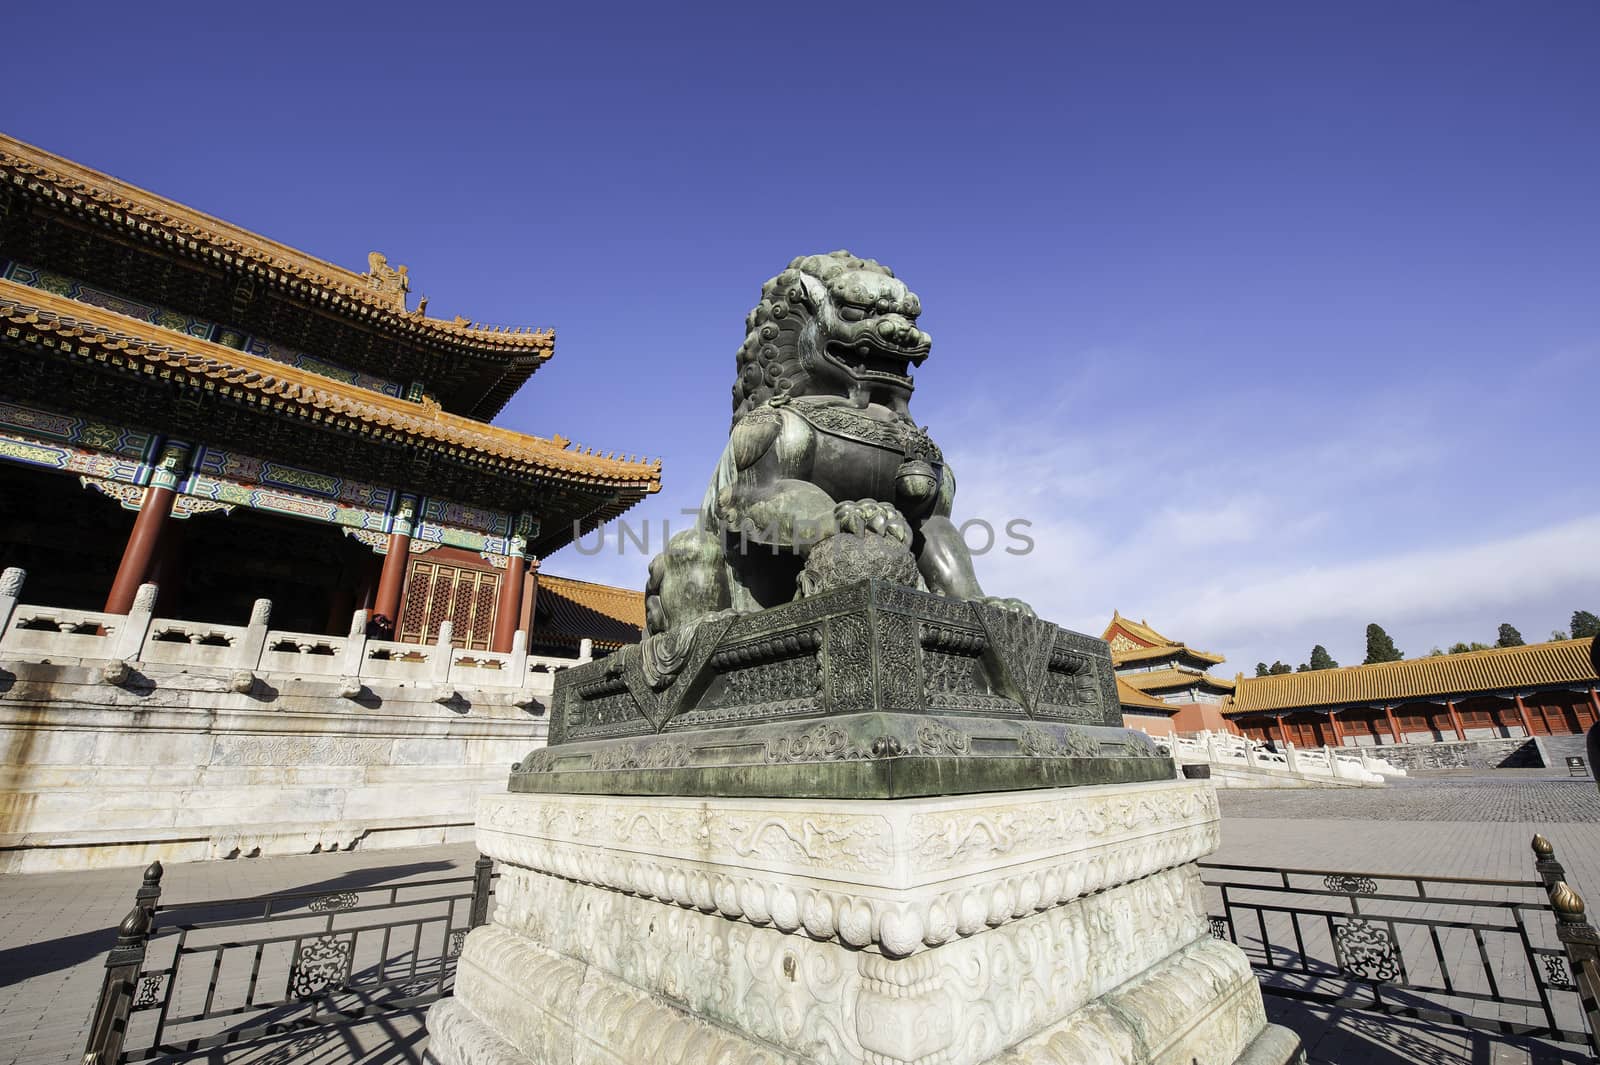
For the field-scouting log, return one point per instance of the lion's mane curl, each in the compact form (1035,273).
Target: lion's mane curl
(769,358)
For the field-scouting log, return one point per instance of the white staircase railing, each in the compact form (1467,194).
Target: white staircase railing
(1225,748)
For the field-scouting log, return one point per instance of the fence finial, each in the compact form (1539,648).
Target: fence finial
(1543,847)
(1567,903)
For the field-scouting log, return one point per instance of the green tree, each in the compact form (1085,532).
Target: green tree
(1436,652)
(1380,648)
(1321,659)
(1584,625)
(1262,670)
(1557,634)
(1279,668)
(1460,648)
(1509,637)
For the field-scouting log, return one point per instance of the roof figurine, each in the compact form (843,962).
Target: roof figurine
(391,280)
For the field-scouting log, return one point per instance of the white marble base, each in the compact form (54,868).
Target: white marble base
(1049,926)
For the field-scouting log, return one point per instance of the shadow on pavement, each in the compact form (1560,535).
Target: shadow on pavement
(1350,1037)
(53,955)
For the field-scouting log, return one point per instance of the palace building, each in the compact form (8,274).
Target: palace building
(185,403)
(1503,693)
(1168,673)
(269,578)
(1542,689)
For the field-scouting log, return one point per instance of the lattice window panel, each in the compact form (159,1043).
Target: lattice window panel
(437,591)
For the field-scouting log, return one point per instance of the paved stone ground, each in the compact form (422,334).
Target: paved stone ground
(1456,823)
(56,927)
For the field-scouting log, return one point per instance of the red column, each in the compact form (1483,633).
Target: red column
(1455,719)
(1522,712)
(155,514)
(1594,701)
(530,596)
(1278,723)
(393,577)
(1394,726)
(508,612)
(1338,731)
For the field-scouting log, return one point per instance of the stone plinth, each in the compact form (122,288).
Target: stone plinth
(1062,925)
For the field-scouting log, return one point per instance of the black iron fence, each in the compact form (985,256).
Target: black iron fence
(191,977)
(1514,957)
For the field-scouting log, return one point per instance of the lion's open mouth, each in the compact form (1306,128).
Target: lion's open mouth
(868,359)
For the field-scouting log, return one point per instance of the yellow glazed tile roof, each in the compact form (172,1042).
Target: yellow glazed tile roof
(1128,695)
(80,330)
(86,189)
(1138,630)
(1563,662)
(1156,679)
(1141,654)
(574,610)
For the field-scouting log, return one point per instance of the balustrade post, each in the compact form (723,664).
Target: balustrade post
(1291,757)
(585,650)
(355,648)
(10,592)
(108,1027)
(443,652)
(127,642)
(1333,763)
(519,658)
(1582,944)
(248,654)
(482,869)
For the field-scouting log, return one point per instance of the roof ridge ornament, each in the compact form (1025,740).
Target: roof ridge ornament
(391,281)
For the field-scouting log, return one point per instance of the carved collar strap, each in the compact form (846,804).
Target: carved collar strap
(903,438)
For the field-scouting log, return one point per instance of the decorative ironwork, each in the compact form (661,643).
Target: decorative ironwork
(1350,883)
(1219,928)
(321,967)
(398,955)
(1557,978)
(150,993)
(1365,950)
(339,900)
(1451,950)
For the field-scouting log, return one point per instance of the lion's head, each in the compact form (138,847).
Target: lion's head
(831,325)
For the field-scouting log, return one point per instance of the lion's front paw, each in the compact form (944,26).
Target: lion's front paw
(1016,605)
(869,516)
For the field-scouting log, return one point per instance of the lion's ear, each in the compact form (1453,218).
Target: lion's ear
(806,290)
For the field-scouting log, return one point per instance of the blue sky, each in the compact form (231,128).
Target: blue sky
(1274,319)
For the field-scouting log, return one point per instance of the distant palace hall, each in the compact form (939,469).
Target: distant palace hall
(186,403)
(1545,689)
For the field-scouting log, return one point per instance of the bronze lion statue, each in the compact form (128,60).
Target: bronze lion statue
(825,479)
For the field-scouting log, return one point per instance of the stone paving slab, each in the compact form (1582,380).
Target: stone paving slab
(1345,1037)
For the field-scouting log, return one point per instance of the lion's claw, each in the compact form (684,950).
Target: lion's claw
(1016,605)
(870,517)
